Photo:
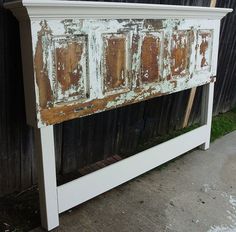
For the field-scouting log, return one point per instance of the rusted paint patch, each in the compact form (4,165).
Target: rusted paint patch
(41,67)
(180,53)
(150,55)
(115,70)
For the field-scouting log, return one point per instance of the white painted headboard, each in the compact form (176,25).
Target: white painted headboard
(81,58)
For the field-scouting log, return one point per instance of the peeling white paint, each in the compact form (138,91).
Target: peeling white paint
(93,58)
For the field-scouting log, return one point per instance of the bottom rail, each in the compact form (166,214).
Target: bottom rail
(93,184)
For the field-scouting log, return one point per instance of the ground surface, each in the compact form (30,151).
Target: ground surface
(196,192)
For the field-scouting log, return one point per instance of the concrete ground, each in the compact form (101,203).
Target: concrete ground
(196,192)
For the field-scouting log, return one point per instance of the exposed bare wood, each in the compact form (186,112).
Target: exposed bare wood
(150,59)
(115,64)
(213,3)
(189,106)
(180,53)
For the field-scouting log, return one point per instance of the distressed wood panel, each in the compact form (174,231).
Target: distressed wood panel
(180,53)
(42,66)
(204,50)
(115,74)
(151,58)
(71,68)
(104,64)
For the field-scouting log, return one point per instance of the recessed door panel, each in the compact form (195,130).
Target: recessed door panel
(180,53)
(70,68)
(151,58)
(115,72)
(204,50)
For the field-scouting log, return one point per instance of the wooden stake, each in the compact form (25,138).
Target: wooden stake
(213,3)
(189,106)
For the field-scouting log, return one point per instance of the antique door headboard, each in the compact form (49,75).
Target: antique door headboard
(81,58)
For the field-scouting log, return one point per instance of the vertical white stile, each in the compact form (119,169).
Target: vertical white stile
(206,111)
(45,152)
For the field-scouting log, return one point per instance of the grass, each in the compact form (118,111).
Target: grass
(223,124)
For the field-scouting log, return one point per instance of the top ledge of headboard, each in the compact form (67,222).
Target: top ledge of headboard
(108,10)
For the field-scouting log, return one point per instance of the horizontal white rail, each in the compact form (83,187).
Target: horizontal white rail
(93,184)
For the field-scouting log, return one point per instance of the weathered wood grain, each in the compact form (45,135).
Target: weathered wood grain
(115,76)
(225,87)
(15,138)
(150,59)
(86,66)
(180,53)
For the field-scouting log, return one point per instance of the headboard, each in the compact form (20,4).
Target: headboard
(84,57)
(81,58)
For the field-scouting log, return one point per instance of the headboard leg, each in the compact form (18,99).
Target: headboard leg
(45,153)
(206,111)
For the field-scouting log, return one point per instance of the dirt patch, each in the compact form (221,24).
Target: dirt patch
(20,212)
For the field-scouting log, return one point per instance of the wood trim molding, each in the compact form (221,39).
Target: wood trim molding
(70,9)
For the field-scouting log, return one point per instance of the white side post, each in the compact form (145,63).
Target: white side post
(206,111)
(45,152)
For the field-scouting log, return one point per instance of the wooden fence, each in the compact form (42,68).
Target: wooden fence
(87,140)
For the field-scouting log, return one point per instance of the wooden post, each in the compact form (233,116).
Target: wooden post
(45,151)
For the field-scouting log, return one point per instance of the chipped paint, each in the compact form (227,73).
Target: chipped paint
(180,53)
(204,49)
(70,68)
(150,58)
(115,63)
(85,66)
(42,68)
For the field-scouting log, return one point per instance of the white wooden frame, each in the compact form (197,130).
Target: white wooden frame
(57,199)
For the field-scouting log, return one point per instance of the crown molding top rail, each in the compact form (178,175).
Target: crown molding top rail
(70,9)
